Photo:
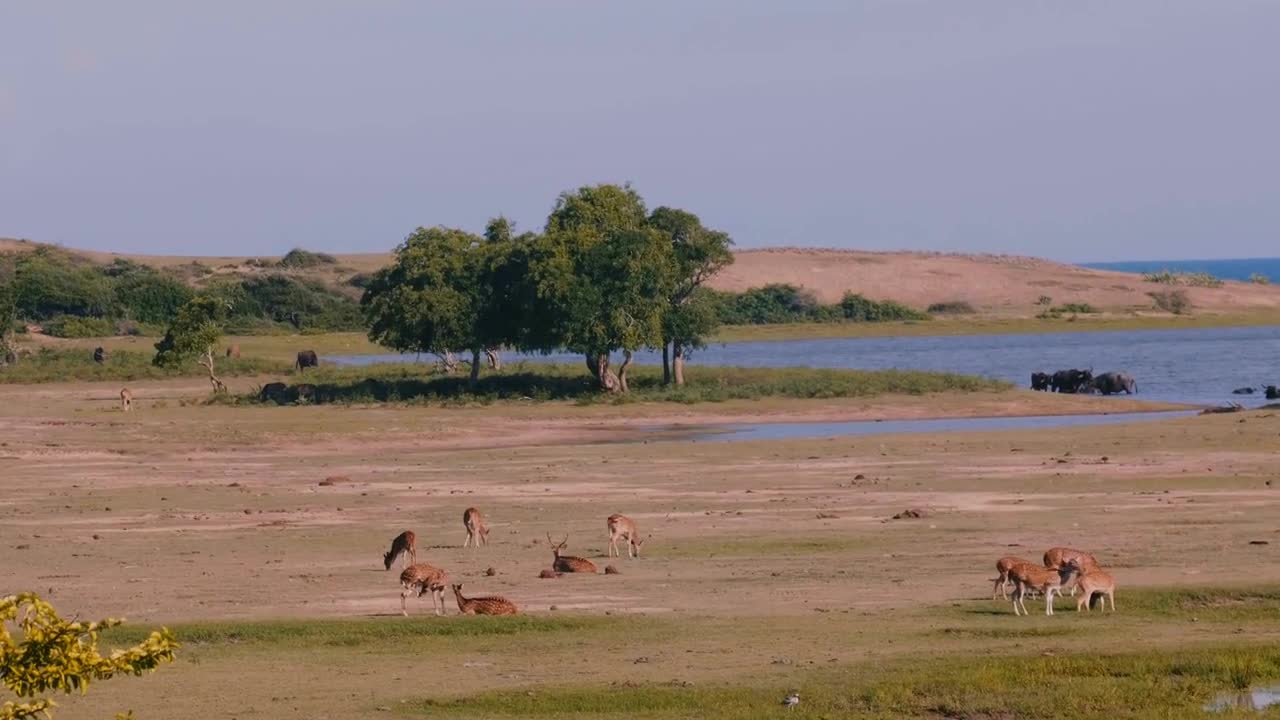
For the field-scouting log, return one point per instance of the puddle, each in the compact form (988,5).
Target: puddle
(1256,699)
(742,432)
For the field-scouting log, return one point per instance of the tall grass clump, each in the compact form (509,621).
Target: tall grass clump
(952,307)
(1171,301)
(1259,279)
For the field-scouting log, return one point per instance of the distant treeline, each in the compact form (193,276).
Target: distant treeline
(71,296)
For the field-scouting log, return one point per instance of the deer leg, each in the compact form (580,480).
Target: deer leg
(631,546)
(613,546)
(467,542)
(1048,601)
(404,610)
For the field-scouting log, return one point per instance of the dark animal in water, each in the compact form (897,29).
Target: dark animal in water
(1071,381)
(1244,391)
(1040,381)
(99,355)
(1110,383)
(1273,393)
(273,392)
(306,359)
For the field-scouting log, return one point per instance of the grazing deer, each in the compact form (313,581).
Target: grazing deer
(1093,580)
(490,605)
(477,530)
(622,527)
(126,400)
(568,563)
(1003,566)
(1055,558)
(424,579)
(1029,575)
(406,544)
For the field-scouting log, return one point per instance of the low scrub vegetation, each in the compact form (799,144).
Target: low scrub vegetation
(1173,301)
(1058,311)
(781,303)
(1195,279)
(541,382)
(60,365)
(298,259)
(952,307)
(1259,279)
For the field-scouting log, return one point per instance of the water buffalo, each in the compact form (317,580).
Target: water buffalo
(1273,393)
(1040,381)
(99,355)
(273,392)
(1110,383)
(1072,381)
(306,359)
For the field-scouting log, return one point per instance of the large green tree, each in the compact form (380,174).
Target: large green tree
(602,278)
(437,296)
(697,254)
(53,654)
(192,336)
(8,318)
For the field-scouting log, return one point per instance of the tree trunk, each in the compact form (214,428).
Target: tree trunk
(207,363)
(622,371)
(475,368)
(599,367)
(495,360)
(666,362)
(448,361)
(678,362)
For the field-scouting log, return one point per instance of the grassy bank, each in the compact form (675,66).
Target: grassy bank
(943,326)
(68,364)
(549,382)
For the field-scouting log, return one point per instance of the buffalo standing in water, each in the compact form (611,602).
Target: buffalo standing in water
(1072,381)
(1040,381)
(1112,383)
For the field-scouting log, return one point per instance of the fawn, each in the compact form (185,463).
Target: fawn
(622,527)
(1093,580)
(406,544)
(126,400)
(477,530)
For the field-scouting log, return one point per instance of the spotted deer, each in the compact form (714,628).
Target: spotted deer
(1003,566)
(1027,576)
(126,400)
(568,563)
(423,579)
(477,530)
(1055,558)
(1093,580)
(406,545)
(622,527)
(489,605)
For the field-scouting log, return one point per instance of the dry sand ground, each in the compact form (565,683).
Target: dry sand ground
(178,513)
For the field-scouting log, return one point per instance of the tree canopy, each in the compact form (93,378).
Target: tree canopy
(192,336)
(53,654)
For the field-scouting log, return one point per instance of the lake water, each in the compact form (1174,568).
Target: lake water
(1256,699)
(1235,269)
(1199,366)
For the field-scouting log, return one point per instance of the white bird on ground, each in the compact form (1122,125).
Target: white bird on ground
(791,701)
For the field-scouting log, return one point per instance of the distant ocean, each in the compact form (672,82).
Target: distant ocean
(1236,269)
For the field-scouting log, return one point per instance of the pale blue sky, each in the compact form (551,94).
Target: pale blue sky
(1082,130)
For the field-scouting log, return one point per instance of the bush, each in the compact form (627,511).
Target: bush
(857,308)
(1199,279)
(298,258)
(1074,308)
(257,302)
(952,307)
(1173,301)
(780,303)
(360,280)
(149,296)
(48,283)
(1202,279)
(70,326)
(1044,300)
(1259,279)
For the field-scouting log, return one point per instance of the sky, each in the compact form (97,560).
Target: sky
(1088,130)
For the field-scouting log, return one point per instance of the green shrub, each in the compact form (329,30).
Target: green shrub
(857,308)
(298,258)
(1259,279)
(781,303)
(1198,279)
(952,307)
(48,282)
(1044,300)
(70,326)
(1202,279)
(149,296)
(1074,308)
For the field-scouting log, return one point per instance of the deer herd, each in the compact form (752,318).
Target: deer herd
(1064,569)
(423,578)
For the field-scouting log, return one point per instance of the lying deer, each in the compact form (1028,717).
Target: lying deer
(490,605)
(568,563)
(622,527)
(126,400)
(477,530)
(405,544)
(424,579)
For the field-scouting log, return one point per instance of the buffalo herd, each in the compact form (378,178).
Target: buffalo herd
(1083,382)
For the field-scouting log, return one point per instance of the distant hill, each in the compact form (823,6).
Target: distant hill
(1002,285)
